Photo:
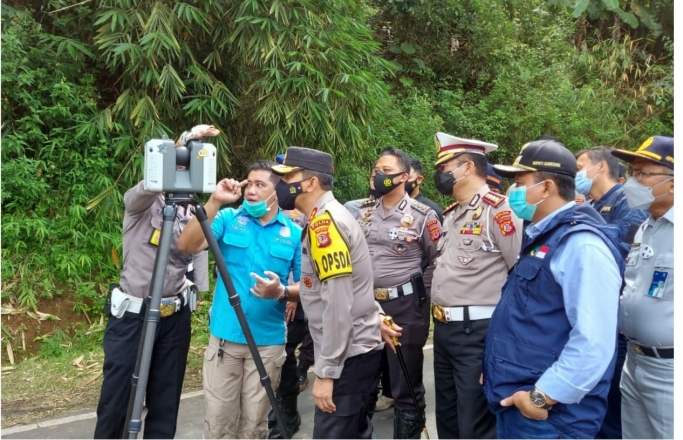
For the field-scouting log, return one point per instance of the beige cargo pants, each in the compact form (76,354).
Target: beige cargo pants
(236,404)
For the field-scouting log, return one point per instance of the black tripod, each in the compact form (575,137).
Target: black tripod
(152,314)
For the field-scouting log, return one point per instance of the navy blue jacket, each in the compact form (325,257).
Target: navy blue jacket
(614,208)
(529,327)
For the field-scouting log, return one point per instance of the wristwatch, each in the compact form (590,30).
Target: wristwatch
(539,399)
(285,295)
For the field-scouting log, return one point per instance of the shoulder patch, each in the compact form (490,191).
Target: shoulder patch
(329,250)
(449,209)
(420,207)
(493,199)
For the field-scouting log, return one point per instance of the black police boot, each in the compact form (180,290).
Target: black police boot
(291,417)
(272,422)
(407,424)
(302,371)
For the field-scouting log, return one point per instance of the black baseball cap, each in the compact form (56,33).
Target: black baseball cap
(541,155)
(657,149)
(297,158)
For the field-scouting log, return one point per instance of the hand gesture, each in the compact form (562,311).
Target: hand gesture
(290,311)
(388,334)
(522,401)
(228,191)
(322,394)
(267,288)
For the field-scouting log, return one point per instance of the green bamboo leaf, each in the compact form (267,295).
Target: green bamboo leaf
(580,8)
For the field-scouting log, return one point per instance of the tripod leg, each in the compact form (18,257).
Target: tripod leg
(237,307)
(152,317)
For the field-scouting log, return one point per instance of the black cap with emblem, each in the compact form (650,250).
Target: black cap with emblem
(544,155)
(297,158)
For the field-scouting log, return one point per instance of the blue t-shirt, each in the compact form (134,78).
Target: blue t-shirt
(248,246)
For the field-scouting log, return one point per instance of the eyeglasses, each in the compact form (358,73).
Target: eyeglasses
(638,174)
(442,166)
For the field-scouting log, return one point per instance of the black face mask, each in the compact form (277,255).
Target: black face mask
(384,183)
(287,194)
(444,182)
(410,186)
(375,194)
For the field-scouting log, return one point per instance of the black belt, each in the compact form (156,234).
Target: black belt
(662,353)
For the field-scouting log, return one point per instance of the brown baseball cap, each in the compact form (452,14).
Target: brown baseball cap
(297,158)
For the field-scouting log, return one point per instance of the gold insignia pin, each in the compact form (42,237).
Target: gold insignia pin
(477,213)
(407,220)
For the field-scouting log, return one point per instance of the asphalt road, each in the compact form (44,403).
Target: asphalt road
(191,416)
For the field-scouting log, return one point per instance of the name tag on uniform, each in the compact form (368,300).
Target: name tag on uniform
(658,285)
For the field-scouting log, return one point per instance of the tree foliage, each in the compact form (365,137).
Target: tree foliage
(85,84)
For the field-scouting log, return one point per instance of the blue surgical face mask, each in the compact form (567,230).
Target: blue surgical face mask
(582,182)
(519,205)
(257,209)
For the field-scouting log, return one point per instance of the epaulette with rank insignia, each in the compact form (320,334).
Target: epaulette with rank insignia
(493,199)
(420,207)
(449,209)
(368,203)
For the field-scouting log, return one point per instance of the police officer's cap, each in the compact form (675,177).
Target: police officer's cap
(657,149)
(492,178)
(544,155)
(448,147)
(297,158)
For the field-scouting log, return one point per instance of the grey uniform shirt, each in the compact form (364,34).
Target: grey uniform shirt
(647,302)
(479,245)
(143,217)
(341,309)
(398,239)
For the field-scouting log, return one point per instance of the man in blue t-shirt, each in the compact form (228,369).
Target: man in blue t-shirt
(260,246)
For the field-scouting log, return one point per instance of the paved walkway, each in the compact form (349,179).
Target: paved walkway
(191,416)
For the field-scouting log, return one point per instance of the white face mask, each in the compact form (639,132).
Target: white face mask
(639,196)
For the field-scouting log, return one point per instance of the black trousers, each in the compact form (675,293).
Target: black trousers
(351,395)
(461,407)
(164,383)
(408,315)
(611,425)
(289,378)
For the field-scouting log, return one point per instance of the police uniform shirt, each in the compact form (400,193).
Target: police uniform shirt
(142,224)
(398,239)
(647,302)
(336,288)
(480,243)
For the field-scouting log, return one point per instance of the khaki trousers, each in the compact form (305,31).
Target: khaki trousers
(236,404)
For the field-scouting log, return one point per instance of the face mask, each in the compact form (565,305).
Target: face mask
(444,182)
(384,183)
(257,209)
(375,194)
(287,194)
(519,205)
(582,182)
(410,186)
(639,196)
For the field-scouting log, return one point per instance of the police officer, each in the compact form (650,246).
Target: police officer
(647,302)
(336,292)
(414,184)
(493,179)
(480,243)
(597,180)
(142,222)
(297,331)
(399,231)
